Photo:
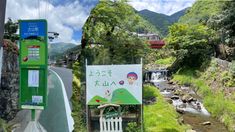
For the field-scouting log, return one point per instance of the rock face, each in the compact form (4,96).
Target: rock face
(9,90)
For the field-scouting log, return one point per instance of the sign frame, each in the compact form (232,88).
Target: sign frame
(88,111)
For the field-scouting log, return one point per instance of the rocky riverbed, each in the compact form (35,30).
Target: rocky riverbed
(190,106)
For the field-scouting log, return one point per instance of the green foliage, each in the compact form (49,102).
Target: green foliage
(110,29)
(78,111)
(224,23)
(166,61)
(232,68)
(201,11)
(10,30)
(133,127)
(149,92)
(161,117)
(193,43)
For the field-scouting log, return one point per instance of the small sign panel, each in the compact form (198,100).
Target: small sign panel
(33,53)
(30,29)
(37,99)
(33,78)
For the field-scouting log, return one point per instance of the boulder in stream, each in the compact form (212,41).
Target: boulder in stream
(206,123)
(187,98)
(191,130)
(168,100)
(180,110)
(174,97)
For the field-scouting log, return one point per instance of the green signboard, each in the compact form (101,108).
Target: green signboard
(33,64)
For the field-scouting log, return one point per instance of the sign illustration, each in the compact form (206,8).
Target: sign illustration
(117,84)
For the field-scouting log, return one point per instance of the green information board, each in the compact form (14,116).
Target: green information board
(33,64)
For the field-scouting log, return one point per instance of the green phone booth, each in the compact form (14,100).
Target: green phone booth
(33,64)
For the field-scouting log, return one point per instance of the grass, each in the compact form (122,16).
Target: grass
(161,116)
(149,92)
(165,61)
(214,99)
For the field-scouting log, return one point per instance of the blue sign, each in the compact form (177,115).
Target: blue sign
(33,28)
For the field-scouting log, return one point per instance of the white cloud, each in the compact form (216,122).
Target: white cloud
(161,6)
(64,19)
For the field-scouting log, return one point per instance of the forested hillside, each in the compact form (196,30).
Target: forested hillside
(162,21)
(57,49)
(201,11)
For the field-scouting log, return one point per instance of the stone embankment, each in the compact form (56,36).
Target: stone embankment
(9,87)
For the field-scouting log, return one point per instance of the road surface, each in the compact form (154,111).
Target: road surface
(57,116)
(67,78)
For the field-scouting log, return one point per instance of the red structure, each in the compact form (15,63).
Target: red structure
(156,44)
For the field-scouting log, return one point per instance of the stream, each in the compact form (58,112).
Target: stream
(187,103)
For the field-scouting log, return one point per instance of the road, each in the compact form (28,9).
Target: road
(59,108)
(67,78)
(57,116)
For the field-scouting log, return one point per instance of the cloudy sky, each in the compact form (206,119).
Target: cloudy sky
(68,16)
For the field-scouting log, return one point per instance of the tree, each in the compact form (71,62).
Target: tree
(193,43)
(10,30)
(224,23)
(112,26)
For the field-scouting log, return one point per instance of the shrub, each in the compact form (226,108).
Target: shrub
(133,127)
(232,68)
(149,92)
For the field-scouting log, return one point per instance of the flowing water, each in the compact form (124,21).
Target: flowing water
(191,106)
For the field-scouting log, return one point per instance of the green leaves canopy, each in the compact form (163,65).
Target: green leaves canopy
(109,35)
(193,43)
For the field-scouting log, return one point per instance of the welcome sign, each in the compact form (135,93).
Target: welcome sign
(116,84)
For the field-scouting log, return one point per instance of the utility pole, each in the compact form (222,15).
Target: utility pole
(51,37)
(2,20)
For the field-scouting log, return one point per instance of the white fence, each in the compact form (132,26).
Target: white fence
(113,124)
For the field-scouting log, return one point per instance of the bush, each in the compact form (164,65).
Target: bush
(149,92)
(78,108)
(133,127)
(165,61)
(232,69)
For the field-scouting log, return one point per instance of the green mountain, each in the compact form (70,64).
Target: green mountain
(56,49)
(162,21)
(201,11)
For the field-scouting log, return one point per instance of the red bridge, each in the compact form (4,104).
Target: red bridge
(156,44)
